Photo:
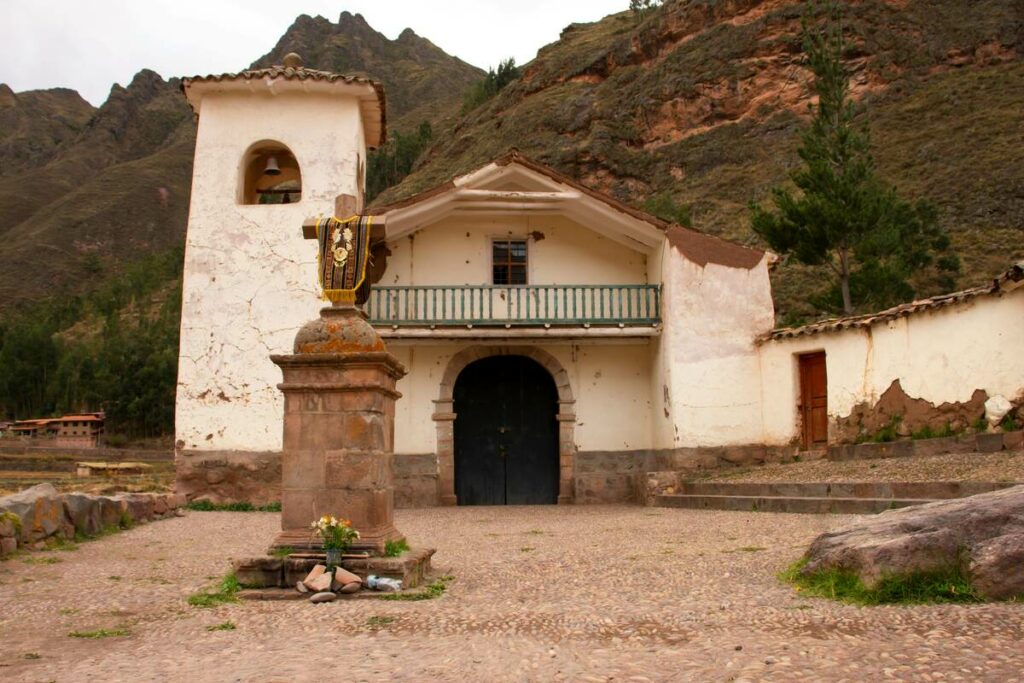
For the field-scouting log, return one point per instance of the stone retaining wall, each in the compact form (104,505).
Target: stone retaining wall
(18,446)
(30,517)
(907,448)
(621,476)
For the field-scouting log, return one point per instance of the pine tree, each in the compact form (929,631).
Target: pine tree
(844,216)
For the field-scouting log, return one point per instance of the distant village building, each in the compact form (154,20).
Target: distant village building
(69,431)
(80,431)
(559,343)
(46,427)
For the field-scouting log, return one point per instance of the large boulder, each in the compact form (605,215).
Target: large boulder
(83,511)
(112,511)
(981,535)
(140,505)
(40,508)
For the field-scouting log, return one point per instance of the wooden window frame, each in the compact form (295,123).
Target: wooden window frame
(526,264)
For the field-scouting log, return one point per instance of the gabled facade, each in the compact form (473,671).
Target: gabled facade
(636,322)
(560,344)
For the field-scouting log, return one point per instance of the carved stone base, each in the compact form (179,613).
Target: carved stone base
(372,542)
(411,567)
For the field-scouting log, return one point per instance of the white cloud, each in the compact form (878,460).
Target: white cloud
(89,45)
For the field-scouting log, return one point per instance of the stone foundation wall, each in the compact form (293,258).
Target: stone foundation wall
(599,476)
(621,476)
(416,480)
(229,476)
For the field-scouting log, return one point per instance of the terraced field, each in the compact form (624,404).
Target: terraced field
(19,470)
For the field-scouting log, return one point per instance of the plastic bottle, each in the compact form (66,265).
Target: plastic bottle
(383,583)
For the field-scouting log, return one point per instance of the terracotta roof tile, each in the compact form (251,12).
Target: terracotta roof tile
(695,245)
(295,73)
(1014,275)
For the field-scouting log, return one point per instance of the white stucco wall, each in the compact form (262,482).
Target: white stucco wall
(457,251)
(940,356)
(708,361)
(610,381)
(250,278)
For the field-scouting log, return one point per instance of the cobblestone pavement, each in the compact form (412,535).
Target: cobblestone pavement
(989,467)
(585,593)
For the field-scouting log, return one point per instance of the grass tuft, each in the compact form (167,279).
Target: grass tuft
(395,548)
(225,626)
(126,521)
(225,593)
(378,621)
(101,633)
(282,552)
(241,506)
(918,588)
(15,520)
(42,560)
(433,590)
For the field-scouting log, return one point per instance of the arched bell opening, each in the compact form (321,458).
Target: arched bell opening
(270,175)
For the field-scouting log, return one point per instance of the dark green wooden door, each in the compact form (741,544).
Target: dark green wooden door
(506,435)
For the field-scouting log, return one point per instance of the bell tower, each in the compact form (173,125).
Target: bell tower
(274,147)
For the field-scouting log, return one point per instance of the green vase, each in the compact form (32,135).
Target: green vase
(334,556)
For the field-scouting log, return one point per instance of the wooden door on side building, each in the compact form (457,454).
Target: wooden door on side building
(814,400)
(506,435)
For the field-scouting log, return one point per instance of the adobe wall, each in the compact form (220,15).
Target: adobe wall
(930,367)
(708,363)
(249,277)
(560,252)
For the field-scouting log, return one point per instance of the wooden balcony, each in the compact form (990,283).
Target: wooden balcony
(546,306)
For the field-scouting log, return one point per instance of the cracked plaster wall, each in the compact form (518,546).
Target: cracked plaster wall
(250,277)
(708,363)
(940,356)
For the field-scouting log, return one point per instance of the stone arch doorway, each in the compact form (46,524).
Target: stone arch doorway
(505,433)
(445,415)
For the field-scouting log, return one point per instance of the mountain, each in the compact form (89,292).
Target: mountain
(33,125)
(422,82)
(702,101)
(88,191)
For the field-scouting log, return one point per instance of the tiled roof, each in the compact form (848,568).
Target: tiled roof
(695,245)
(294,71)
(1002,283)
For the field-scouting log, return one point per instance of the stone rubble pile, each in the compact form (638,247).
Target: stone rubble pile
(30,517)
(325,584)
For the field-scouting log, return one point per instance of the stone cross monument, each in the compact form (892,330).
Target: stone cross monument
(339,392)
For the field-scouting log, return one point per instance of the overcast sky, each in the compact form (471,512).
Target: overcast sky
(89,45)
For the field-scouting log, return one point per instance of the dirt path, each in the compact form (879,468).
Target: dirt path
(572,593)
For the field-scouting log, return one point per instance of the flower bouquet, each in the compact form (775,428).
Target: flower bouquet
(336,535)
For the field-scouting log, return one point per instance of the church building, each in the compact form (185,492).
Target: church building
(560,343)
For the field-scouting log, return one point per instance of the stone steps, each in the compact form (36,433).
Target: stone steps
(806,505)
(880,489)
(817,498)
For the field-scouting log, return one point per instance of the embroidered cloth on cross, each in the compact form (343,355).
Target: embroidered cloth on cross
(343,256)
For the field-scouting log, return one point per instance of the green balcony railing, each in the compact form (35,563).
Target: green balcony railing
(516,305)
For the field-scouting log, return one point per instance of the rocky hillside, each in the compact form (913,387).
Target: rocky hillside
(423,82)
(88,190)
(33,125)
(702,102)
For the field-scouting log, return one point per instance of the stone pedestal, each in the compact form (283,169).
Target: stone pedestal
(339,392)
